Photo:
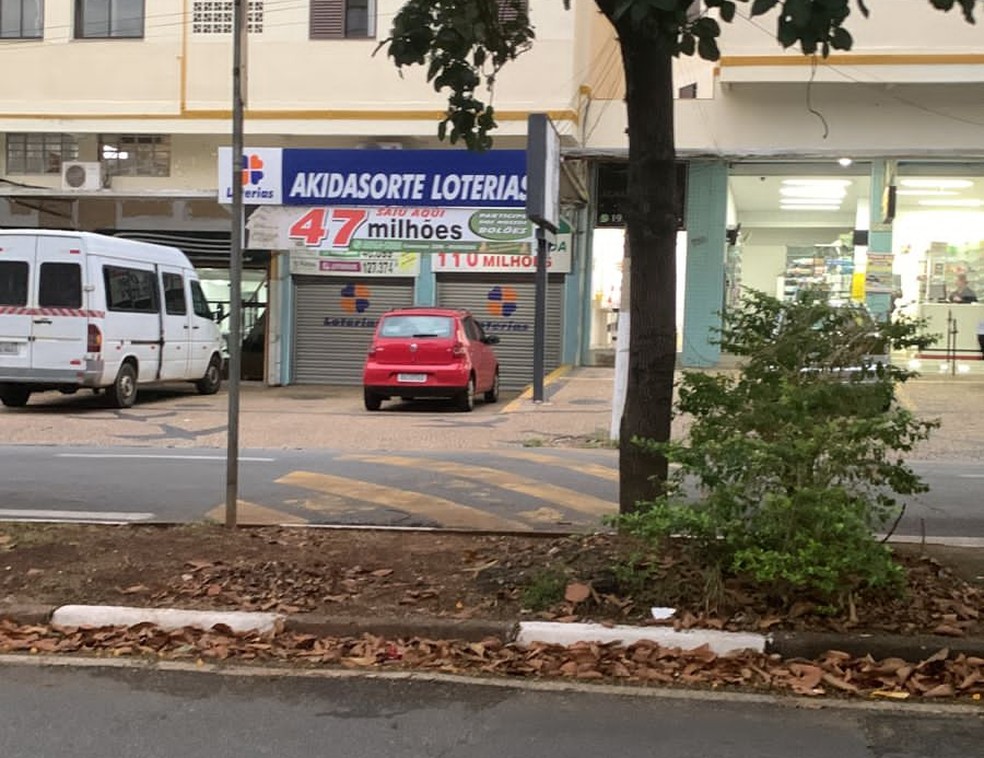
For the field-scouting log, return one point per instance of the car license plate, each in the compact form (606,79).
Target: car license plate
(9,348)
(412,378)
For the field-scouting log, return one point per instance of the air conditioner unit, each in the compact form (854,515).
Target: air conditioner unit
(81,176)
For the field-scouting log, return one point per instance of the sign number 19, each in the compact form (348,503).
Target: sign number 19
(315,226)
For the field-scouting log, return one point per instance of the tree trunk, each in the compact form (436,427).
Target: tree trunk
(651,226)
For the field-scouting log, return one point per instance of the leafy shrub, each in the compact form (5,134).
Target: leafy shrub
(796,459)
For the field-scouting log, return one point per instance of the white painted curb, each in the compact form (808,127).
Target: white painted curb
(167,619)
(557,633)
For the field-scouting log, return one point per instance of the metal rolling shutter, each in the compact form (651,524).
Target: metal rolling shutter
(334,318)
(504,306)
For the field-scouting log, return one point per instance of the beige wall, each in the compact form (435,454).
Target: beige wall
(176,81)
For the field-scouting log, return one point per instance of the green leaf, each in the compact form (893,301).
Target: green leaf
(707,48)
(841,39)
(798,12)
(788,35)
(763,6)
(688,44)
(706,27)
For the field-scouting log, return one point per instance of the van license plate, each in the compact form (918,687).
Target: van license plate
(412,378)
(9,348)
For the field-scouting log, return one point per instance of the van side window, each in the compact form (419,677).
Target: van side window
(130,289)
(174,295)
(198,301)
(13,282)
(60,285)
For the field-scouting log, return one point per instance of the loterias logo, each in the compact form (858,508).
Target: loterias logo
(501,301)
(252,169)
(355,298)
(257,170)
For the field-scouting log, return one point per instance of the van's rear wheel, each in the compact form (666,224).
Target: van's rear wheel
(123,393)
(210,383)
(15,397)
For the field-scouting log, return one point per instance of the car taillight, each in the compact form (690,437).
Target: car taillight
(95,339)
(458,350)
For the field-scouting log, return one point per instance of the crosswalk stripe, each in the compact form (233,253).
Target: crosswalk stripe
(582,467)
(256,515)
(445,512)
(551,493)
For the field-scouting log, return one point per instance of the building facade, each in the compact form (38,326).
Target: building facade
(864,171)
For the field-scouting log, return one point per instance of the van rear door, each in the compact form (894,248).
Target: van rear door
(17,256)
(60,326)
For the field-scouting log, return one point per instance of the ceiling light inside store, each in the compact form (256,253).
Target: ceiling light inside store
(817,182)
(834,193)
(845,162)
(927,193)
(937,184)
(833,202)
(957,203)
(809,207)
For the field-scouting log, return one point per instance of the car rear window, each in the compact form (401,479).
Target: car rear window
(416,326)
(13,282)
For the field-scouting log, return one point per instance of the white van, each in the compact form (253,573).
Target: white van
(86,310)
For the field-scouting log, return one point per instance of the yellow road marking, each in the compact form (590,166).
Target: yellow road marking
(256,515)
(445,512)
(544,515)
(527,393)
(583,467)
(568,498)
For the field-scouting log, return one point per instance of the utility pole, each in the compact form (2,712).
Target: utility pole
(236,260)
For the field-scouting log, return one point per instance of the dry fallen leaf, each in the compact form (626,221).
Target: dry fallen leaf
(892,694)
(577,592)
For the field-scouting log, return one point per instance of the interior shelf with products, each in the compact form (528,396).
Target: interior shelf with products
(944,263)
(829,267)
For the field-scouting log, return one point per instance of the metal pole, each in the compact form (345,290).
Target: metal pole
(540,314)
(235,266)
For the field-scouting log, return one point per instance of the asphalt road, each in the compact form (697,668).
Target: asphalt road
(494,489)
(93,713)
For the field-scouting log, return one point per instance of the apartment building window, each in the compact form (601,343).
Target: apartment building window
(108,19)
(39,153)
(343,19)
(135,154)
(21,19)
(216,16)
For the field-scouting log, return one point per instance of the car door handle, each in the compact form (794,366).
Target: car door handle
(195,327)
(42,321)
(185,326)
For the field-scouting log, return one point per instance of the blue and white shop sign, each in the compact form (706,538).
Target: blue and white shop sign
(421,178)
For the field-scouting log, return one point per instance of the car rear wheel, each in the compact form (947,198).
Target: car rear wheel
(15,397)
(492,395)
(123,393)
(466,399)
(372,400)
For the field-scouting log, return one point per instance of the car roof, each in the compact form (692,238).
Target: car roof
(427,311)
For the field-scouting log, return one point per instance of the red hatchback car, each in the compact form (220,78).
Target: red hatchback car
(430,352)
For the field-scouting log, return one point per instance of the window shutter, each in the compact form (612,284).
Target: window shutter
(508,9)
(327,19)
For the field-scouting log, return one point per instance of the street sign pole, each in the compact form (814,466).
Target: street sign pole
(543,209)
(540,314)
(235,262)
